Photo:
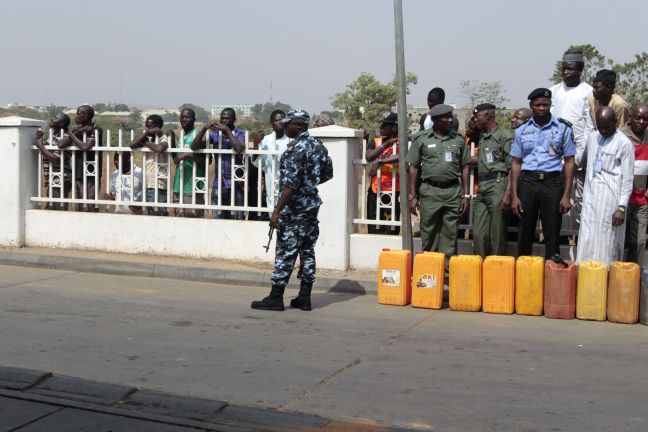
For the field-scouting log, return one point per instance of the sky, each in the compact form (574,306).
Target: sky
(156,54)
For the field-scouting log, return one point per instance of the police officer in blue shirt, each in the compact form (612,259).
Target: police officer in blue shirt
(542,174)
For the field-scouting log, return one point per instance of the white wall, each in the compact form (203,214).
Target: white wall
(199,238)
(185,237)
(18,176)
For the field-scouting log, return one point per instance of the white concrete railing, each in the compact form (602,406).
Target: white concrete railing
(385,200)
(240,166)
(24,223)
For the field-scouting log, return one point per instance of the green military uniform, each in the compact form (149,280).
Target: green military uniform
(489,223)
(440,161)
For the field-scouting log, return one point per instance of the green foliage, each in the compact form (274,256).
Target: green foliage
(632,79)
(202,115)
(367,101)
(263,111)
(335,115)
(52,110)
(23,111)
(171,117)
(254,125)
(110,106)
(633,82)
(477,92)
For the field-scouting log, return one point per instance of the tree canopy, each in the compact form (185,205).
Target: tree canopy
(367,101)
(632,77)
(477,92)
(263,111)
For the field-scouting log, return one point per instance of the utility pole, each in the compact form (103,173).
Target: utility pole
(403,130)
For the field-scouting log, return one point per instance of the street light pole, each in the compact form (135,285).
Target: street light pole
(403,130)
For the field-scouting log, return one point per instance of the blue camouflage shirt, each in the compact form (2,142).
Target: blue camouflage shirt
(300,169)
(542,148)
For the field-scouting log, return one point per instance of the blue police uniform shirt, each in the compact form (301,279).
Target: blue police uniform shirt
(300,170)
(542,148)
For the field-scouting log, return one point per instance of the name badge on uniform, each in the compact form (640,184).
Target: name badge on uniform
(489,157)
(448,156)
(431,145)
(598,166)
(552,150)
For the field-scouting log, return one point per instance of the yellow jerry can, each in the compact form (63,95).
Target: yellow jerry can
(591,290)
(498,284)
(395,277)
(623,293)
(529,285)
(428,280)
(465,283)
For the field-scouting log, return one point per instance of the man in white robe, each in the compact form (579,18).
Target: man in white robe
(569,102)
(608,157)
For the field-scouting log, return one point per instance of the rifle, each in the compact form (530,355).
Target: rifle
(270,232)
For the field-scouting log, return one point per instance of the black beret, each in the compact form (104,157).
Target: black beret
(483,107)
(392,118)
(439,110)
(607,77)
(539,93)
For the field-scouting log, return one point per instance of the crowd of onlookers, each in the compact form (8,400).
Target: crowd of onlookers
(185,180)
(574,135)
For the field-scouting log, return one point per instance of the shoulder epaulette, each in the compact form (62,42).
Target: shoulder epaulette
(567,122)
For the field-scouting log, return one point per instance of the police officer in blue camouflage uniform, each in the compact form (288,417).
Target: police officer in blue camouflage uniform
(543,152)
(295,215)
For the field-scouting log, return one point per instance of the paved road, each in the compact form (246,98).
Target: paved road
(350,358)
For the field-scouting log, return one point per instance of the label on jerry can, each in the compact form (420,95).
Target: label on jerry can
(427,281)
(391,277)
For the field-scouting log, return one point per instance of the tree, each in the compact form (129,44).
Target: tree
(52,110)
(367,101)
(633,82)
(632,77)
(136,115)
(481,92)
(110,106)
(202,115)
(263,111)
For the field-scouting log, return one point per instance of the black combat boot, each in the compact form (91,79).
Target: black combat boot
(302,301)
(274,302)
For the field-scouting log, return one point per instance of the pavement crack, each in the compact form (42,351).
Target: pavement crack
(392,340)
(37,419)
(67,273)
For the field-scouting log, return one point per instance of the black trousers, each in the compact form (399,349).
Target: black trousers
(540,197)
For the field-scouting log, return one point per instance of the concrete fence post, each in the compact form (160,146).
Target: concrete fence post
(339,196)
(18,177)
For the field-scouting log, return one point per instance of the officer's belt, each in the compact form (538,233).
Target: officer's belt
(492,176)
(442,185)
(541,175)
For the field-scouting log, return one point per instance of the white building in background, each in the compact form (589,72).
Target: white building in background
(242,110)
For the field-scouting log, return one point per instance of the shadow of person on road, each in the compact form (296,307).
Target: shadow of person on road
(325,298)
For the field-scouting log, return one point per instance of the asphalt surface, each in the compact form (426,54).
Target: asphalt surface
(350,359)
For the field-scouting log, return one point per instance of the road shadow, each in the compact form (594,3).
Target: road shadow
(323,299)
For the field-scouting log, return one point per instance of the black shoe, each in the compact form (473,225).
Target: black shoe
(274,302)
(301,302)
(268,303)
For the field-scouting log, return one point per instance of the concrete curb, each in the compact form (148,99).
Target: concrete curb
(181,272)
(165,408)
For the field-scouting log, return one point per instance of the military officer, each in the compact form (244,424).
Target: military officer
(494,197)
(540,181)
(295,215)
(442,158)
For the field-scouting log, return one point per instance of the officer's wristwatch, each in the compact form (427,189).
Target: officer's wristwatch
(410,197)
(621,209)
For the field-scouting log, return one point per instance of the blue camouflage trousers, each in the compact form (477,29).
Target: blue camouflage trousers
(296,236)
